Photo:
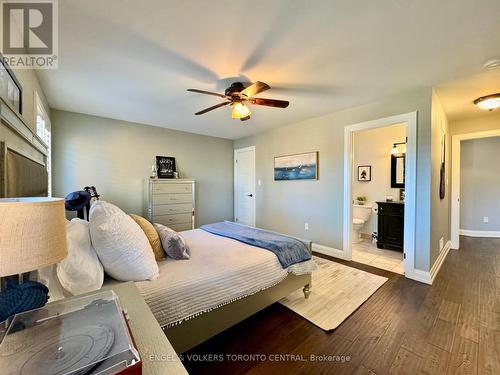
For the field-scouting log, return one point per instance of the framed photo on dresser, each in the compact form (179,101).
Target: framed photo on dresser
(165,166)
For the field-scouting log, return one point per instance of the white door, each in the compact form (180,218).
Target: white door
(244,186)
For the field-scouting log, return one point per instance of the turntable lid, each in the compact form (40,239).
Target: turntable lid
(80,335)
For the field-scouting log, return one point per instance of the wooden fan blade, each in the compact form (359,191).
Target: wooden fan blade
(255,88)
(207,93)
(269,102)
(212,108)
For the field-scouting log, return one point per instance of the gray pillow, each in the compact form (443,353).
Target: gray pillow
(172,242)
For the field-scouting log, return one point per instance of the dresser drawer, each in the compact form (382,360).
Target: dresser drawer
(172,188)
(173,219)
(170,209)
(180,227)
(171,198)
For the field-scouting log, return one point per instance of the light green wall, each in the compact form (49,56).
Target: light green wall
(116,157)
(440,208)
(286,206)
(486,122)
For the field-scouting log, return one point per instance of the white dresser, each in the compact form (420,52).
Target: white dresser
(171,202)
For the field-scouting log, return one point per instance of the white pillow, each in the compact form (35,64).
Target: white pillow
(121,244)
(81,271)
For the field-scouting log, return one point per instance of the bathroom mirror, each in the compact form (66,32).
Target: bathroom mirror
(398,171)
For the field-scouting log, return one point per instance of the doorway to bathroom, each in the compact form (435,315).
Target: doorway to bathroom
(379,193)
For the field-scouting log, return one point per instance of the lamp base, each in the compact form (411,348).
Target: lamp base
(17,298)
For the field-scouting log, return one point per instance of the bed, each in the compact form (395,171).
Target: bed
(224,282)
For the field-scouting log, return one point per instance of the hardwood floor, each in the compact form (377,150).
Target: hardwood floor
(451,327)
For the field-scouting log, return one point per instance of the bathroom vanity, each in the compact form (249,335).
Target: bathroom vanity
(390,234)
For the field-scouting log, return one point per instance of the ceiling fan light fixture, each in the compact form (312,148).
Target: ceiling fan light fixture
(488,103)
(240,111)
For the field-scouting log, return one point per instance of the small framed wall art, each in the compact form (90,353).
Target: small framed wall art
(365,173)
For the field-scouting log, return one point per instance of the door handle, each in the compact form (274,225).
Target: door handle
(250,195)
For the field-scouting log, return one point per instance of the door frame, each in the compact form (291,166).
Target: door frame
(456,141)
(410,119)
(235,200)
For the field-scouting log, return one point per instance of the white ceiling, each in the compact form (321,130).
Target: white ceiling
(133,60)
(458,96)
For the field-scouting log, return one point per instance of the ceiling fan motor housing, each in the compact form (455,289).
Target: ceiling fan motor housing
(235,88)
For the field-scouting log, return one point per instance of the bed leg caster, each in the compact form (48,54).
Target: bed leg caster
(307,291)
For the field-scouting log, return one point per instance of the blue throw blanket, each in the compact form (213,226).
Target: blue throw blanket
(288,250)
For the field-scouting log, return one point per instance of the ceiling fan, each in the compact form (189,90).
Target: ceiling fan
(237,96)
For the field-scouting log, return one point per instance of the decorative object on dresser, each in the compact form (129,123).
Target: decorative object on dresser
(171,203)
(365,173)
(296,167)
(32,236)
(165,167)
(390,225)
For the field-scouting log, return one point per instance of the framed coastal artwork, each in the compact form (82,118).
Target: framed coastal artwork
(365,173)
(296,167)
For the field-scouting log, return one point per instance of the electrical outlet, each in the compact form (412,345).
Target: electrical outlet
(486,219)
(259,182)
(306,226)
(441,244)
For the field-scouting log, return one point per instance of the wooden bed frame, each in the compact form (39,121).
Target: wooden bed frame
(194,331)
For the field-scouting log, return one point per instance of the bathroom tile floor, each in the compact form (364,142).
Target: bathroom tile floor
(367,252)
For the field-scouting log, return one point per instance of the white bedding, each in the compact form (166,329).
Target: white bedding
(221,270)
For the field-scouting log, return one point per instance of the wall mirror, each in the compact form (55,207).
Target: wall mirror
(398,171)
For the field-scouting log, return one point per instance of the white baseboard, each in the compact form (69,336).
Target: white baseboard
(480,233)
(326,250)
(419,275)
(440,260)
(428,277)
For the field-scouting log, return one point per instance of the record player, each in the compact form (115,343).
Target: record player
(78,336)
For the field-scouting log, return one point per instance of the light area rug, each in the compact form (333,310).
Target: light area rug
(336,292)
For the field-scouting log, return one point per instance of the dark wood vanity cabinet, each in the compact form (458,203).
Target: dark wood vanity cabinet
(390,233)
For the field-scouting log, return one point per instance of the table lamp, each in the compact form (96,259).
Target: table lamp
(32,236)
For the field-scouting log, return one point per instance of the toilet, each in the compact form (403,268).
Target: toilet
(360,215)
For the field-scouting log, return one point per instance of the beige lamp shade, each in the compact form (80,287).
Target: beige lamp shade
(32,234)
